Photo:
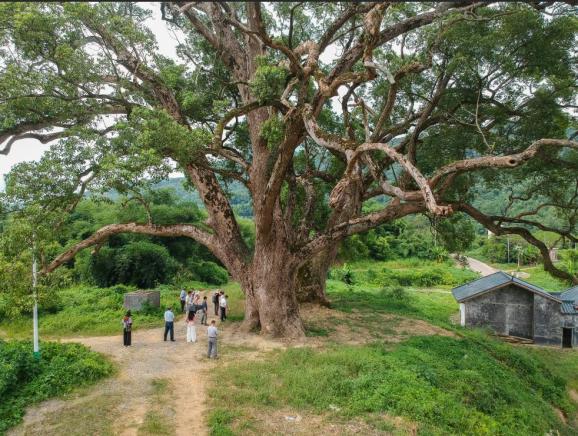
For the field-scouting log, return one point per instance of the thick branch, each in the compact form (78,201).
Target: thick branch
(497,229)
(186,230)
(509,161)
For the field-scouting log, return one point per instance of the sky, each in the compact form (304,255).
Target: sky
(31,150)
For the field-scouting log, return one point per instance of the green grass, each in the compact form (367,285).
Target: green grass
(406,272)
(447,385)
(25,380)
(432,305)
(470,384)
(93,311)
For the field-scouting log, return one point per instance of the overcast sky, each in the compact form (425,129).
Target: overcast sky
(31,149)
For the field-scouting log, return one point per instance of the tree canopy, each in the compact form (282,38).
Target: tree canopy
(315,107)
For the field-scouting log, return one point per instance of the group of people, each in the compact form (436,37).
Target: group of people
(191,306)
(221,304)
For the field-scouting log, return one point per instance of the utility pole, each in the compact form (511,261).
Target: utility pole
(508,238)
(35,296)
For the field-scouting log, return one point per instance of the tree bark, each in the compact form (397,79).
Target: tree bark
(270,293)
(311,277)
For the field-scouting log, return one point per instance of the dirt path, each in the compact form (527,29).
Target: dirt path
(480,267)
(160,387)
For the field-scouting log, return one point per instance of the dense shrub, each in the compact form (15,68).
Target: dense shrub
(25,380)
(139,263)
(144,264)
(424,278)
(209,272)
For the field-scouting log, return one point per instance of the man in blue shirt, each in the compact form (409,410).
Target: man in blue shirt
(169,324)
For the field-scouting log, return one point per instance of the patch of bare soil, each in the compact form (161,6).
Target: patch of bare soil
(290,422)
(361,328)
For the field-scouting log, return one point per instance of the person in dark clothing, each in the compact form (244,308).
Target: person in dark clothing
(216,296)
(127,329)
(204,308)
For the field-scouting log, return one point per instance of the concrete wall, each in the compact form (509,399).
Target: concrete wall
(548,321)
(571,321)
(508,310)
(135,300)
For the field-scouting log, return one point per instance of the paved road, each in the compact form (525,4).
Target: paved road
(480,267)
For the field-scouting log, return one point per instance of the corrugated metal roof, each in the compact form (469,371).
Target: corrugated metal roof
(568,308)
(481,285)
(570,294)
(494,281)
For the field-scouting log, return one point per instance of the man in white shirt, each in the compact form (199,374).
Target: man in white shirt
(170,324)
(212,335)
(223,305)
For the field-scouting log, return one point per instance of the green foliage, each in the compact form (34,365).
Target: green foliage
(457,233)
(570,260)
(448,385)
(269,81)
(273,131)
(143,264)
(139,263)
(209,272)
(25,380)
(407,272)
(495,249)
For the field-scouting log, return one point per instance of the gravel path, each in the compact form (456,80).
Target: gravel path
(480,267)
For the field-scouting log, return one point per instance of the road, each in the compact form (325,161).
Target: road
(480,267)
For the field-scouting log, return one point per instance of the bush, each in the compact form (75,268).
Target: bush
(209,272)
(396,293)
(25,380)
(424,278)
(139,263)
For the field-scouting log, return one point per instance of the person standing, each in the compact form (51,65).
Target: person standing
(188,301)
(223,305)
(204,308)
(216,296)
(183,299)
(212,336)
(127,329)
(169,324)
(191,329)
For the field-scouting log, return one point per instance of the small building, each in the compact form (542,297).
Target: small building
(511,306)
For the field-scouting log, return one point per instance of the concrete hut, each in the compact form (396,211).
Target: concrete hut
(511,306)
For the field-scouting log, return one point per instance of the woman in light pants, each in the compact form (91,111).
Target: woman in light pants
(191,329)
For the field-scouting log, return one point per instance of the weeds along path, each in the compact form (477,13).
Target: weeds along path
(160,387)
(163,387)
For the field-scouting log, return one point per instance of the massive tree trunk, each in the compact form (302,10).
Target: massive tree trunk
(271,302)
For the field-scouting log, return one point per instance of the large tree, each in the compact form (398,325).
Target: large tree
(314,107)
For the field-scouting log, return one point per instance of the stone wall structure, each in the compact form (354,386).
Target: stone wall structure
(135,300)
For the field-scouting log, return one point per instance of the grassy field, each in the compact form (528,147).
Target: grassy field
(464,382)
(92,311)
(387,358)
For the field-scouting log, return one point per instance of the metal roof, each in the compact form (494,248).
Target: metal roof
(568,308)
(495,281)
(570,294)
